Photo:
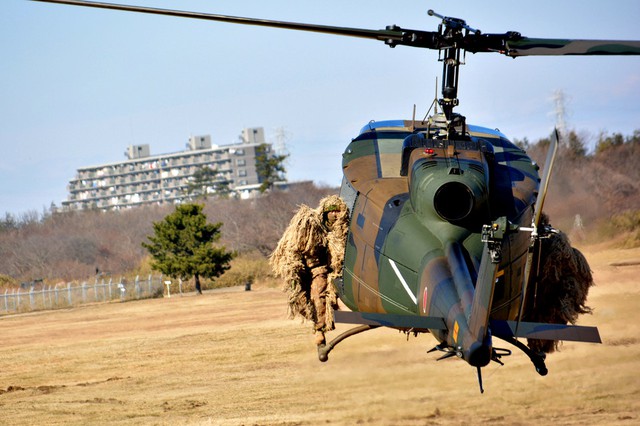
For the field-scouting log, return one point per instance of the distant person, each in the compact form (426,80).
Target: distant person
(577,233)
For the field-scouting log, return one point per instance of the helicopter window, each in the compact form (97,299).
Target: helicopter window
(348,194)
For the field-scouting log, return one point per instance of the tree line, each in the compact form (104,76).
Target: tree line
(74,245)
(598,184)
(601,185)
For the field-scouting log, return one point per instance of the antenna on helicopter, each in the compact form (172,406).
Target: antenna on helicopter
(434,104)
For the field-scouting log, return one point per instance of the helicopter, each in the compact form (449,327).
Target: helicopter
(447,227)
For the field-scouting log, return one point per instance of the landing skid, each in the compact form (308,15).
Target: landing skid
(496,355)
(323,350)
(536,358)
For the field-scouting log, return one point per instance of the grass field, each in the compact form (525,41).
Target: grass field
(232,358)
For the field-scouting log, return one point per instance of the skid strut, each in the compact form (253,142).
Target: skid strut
(323,350)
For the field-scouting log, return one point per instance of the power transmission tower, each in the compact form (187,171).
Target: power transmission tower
(559,100)
(281,136)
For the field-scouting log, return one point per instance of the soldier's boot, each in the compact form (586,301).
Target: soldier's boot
(319,338)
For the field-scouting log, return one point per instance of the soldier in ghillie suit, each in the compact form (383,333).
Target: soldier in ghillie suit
(562,287)
(309,256)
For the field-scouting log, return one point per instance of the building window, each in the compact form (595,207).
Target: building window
(242,172)
(241,162)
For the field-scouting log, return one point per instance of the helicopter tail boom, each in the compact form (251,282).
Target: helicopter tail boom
(481,308)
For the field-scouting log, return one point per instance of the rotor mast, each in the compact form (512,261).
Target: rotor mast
(453,33)
(449,98)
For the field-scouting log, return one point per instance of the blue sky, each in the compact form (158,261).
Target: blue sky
(78,85)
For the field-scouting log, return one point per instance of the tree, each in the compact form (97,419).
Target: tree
(9,222)
(206,179)
(575,146)
(182,246)
(270,167)
(606,142)
(522,143)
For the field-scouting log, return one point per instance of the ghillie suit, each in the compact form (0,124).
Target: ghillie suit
(309,256)
(562,286)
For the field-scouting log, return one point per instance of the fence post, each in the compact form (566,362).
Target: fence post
(6,303)
(44,297)
(137,286)
(168,284)
(56,292)
(31,298)
(110,279)
(149,280)
(69,294)
(84,292)
(180,285)
(122,289)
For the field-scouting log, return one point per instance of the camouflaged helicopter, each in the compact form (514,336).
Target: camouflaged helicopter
(446,230)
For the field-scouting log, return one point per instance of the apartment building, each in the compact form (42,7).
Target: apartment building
(144,179)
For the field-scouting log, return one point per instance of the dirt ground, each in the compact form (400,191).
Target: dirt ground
(233,358)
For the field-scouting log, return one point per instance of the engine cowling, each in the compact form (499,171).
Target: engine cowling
(449,182)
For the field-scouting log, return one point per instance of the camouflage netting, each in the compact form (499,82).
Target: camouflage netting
(562,289)
(308,243)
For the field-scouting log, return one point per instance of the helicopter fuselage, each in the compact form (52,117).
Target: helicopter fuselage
(418,203)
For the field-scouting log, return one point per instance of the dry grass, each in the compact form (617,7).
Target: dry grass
(231,357)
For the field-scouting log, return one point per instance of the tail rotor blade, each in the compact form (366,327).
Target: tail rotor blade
(546,176)
(537,214)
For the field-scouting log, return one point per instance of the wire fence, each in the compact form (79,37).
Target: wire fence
(69,294)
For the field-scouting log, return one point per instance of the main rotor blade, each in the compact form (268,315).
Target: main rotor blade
(388,36)
(511,43)
(557,47)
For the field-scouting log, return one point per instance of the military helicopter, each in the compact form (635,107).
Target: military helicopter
(446,227)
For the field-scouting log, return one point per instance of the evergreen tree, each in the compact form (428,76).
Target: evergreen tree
(182,246)
(575,146)
(270,167)
(204,179)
